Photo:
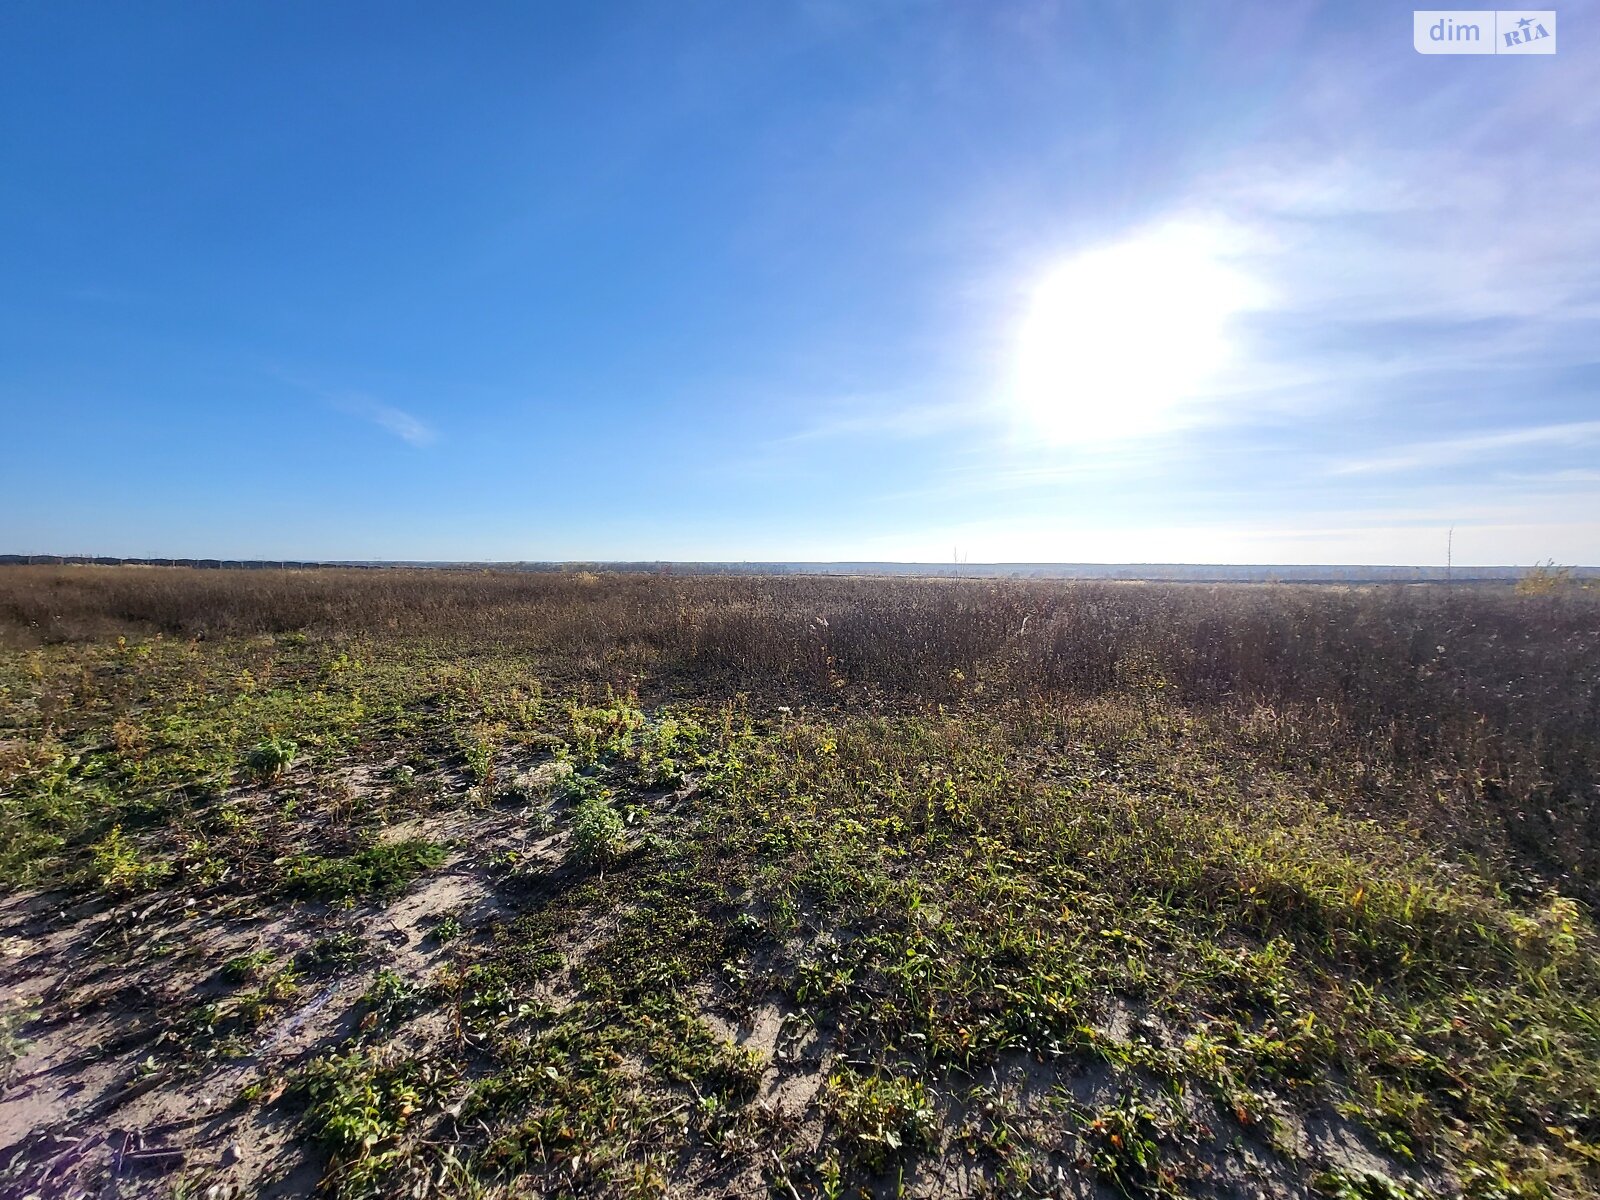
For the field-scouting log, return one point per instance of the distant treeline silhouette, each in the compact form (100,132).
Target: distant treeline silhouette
(1137,572)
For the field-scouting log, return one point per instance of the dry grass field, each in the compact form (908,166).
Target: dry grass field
(423,883)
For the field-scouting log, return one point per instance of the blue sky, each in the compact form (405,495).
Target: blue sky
(857,279)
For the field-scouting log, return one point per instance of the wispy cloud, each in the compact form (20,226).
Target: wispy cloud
(1451,451)
(904,422)
(397,421)
(406,426)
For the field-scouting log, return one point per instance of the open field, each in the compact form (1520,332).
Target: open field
(421,884)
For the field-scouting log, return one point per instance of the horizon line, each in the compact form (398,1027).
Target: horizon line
(755,564)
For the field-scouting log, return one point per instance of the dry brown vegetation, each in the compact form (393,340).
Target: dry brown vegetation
(1474,707)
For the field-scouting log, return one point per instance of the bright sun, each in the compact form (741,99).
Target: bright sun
(1121,339)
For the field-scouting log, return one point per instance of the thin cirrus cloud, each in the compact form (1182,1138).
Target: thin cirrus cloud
(1453,451)
(398,422)
(857,417)
(408,427)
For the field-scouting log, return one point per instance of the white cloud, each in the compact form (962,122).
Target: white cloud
(398,422)
(859,416)
(1449,451)
(406,426)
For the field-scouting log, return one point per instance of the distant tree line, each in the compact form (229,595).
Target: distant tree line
(1142,572)
(211,564)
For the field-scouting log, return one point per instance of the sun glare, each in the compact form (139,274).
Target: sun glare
(1124,339)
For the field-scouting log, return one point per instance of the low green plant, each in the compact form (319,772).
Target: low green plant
(600,732)
(254,1006)
(597,832)
(1124,1147)
(377,871)
(447,929)
(391,998)
(1495,1180)
(359,1105)
(335,950)
(15,1015)
(119,869)
(1362,1185)
(270,758)
(479,750)
(242,968)
(880,1117)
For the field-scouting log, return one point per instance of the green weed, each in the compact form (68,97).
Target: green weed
(270,758)
(880,1117)
(377,871)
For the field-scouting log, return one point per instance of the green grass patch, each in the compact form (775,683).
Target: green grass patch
(375,872)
